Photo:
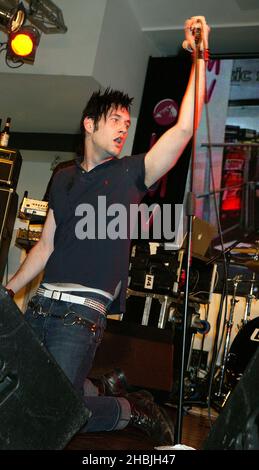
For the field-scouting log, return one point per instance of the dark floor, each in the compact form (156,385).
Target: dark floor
(194,431)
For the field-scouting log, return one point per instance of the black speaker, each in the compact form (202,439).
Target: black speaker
(8,209)
(10,166)
(237,426)
(39,407)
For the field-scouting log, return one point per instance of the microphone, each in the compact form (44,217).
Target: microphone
(197,35)
(196,32)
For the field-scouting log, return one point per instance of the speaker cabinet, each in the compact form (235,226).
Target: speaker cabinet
(8,209)
(39,408)
(10,166)
(237,426)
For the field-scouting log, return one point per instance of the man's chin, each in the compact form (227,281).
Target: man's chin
(116,154)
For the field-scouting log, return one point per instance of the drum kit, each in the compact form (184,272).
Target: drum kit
(236,356)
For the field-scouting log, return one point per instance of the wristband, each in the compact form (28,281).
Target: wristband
(205,54)
(11,293)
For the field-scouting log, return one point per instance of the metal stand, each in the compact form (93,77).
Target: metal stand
(249,299)
(229,324)
(165,302)
(250,296)
(190,213)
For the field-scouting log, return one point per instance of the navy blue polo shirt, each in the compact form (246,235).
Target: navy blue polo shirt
(75,196)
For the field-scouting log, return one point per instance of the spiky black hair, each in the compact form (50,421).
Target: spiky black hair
(100,103)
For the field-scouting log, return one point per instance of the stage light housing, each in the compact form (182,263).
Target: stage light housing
(22,45)
(12,20)
(43,16)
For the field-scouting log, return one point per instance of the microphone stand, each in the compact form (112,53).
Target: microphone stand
(190,213)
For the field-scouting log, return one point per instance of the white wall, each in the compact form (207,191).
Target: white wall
(72,53)
(34,177)
(123,52)
(103,41)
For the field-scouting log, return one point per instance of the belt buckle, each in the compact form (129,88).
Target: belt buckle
(56,295)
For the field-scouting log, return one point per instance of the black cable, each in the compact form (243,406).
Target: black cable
(20,63)
(3,48)
(224,292)
(6,272)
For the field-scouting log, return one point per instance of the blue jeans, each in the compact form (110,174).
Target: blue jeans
(73,346)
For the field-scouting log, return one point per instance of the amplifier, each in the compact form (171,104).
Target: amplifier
(10,166)
(155,273)
(164,273)
(34,207)
(28,238)
(8,209)
(246,134)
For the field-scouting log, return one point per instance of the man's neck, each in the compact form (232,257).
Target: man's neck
(89,163)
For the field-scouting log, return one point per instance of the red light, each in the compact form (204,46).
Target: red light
(22,44)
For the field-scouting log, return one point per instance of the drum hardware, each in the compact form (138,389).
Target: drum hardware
(219,400)
(250,296)
(216,377)
(220,394)
(249,299)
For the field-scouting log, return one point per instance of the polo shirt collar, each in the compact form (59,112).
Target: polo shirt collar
(79,159)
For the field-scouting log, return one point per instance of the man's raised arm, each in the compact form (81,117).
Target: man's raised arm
(166,151)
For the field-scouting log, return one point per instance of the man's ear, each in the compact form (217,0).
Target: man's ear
(89,125)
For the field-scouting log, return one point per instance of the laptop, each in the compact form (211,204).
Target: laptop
(202,235)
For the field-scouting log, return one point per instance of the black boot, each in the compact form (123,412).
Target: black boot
(151,419)
(113,383)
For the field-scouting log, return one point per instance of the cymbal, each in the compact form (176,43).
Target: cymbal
(253,265)
(243,280)
(247,250)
